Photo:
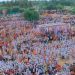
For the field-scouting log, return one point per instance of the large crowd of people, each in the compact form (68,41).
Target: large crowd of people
(28,50)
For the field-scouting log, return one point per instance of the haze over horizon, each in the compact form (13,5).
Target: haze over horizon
(28,0)
(4,0)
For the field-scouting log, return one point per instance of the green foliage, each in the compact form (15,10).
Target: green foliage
(59,6)
(3,8)
(73,11)
(31,15)
(13,10)
(49,7)
(21,5)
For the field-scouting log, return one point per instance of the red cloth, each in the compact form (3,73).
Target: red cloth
(58,67)
(1,43)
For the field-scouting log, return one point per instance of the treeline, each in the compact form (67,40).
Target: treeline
(20,5)
(31,9)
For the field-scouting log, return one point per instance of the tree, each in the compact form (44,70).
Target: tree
(22,3)
(31,15)
(59,6)
(73,11)
(14,9)
(50,7)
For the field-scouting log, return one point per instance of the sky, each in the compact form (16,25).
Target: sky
(29,0)
(4,0)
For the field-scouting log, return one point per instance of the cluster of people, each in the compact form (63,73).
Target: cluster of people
(57,16)
(25,50)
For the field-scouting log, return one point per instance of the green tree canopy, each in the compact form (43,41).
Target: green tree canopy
(31,15)
(73,11)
